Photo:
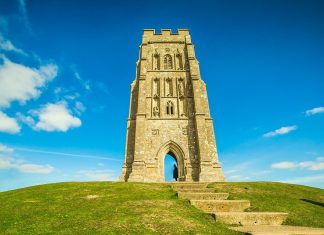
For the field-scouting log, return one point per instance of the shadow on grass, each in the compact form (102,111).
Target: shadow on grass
(313,202)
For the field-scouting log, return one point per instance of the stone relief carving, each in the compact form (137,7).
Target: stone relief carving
(156,60)
(179,60)
(156,111)
(156,87)
(181,88)
(185,130)
(168,87)
(168,62)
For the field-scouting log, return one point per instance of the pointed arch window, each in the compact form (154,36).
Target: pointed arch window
(170,108)
(168,62)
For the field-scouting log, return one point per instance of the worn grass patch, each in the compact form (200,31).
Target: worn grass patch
(304,204)
(102,208)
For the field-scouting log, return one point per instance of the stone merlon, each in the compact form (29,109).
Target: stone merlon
(166,32)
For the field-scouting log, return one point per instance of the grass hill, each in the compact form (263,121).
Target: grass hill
(142,208)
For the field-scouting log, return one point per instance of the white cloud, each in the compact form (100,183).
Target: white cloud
(10,163)
(26,119)
(99,175)
(84,83)
(281,131)
(21,83)
(35,169)
(239,178)
(79,107)
(6,45)
(4,163)
(308,165)
(314,111)
(306,179)
(5,149)
(8,124)
(284,165)
(231,171)
(320,159)
(56,117)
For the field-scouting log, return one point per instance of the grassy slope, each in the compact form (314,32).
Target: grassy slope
(267,196)
(121,208)
(136,208)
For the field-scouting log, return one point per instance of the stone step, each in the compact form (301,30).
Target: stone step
(203,196)
(278,230)
(189,186)
(186,183)
(251,218)
(221,205)
(196,190)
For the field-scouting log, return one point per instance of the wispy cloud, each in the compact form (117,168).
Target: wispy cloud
(8,161)
(24,15)
(314,111)
(68,154)
(5,149)
(24,167)
(7,45)
(85,83)
(308,165)
(238,178)
(98,175)
(281,131)
(306,179)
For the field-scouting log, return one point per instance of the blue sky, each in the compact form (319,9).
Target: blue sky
(66,69)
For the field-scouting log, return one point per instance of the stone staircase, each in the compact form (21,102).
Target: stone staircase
(232,212)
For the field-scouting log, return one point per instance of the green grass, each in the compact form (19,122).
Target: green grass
(111,208)
(142,208)
(305,205)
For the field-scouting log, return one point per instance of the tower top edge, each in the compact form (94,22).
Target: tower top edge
(152,32)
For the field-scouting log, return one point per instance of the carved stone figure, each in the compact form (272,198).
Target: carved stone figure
(156,111)
(156,61)
(181,89)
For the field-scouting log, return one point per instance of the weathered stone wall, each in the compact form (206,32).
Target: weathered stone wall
(169,113)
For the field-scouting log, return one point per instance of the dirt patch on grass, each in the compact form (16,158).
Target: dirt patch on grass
(91,197)
(31,201)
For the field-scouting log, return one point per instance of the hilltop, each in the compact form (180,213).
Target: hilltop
(128,208)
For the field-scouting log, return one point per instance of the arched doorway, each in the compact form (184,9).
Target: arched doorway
(169,161)
(174,150)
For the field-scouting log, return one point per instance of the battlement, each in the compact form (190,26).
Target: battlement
(166,32)
(166,36)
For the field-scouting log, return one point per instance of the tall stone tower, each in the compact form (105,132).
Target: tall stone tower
(169,113)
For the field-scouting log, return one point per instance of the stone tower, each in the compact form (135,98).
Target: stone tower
(169,113)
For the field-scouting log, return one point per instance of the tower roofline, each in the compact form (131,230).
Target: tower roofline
(151,32)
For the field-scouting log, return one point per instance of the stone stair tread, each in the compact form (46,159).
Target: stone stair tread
(184,183)
(219,201)
(251,218)
(211,206)
(251,213)
(202,190)
(188,186)
(278,230)
(203,196)
(203,193)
